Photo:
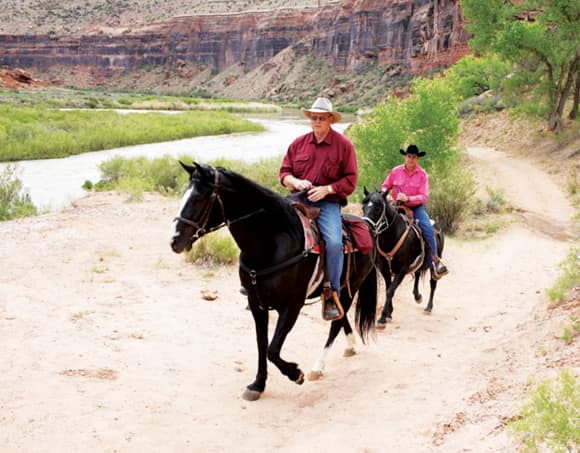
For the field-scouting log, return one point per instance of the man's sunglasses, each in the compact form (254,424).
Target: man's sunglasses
(318,118)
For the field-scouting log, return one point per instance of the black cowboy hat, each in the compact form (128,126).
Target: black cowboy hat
(413,150)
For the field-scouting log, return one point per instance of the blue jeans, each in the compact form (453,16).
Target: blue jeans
(425,224)
(330,226)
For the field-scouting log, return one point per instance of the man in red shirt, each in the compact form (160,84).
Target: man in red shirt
(410,184)
(324,163)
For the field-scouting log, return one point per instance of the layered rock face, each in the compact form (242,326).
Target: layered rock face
(420,35)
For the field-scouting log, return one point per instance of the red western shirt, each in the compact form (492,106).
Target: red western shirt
(332,161)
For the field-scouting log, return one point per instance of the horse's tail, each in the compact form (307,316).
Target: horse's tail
(366,307)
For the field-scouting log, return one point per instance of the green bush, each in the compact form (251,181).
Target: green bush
(214,249)
(550,419)
(472,75)
(569,278)
(14,203)
(450,196)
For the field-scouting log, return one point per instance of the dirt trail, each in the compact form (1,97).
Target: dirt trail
(107,344)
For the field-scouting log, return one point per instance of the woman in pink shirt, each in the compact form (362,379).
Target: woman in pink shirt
(410,186)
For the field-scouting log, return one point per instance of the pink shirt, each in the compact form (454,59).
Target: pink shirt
(332,161)
(414,184)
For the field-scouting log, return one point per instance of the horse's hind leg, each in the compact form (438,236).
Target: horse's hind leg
(433,284)
(416,294)
(350,339)
(318,368)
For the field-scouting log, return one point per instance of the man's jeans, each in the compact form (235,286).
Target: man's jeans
(330,226)
(425,224)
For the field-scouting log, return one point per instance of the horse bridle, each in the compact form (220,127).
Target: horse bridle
(382,223)
(202,223)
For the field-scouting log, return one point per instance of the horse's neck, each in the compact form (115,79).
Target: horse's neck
(396,224)
(263,232)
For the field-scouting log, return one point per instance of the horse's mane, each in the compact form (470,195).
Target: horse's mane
(272,202)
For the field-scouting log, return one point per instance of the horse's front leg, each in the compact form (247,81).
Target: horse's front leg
(255,389)
(385,271)
(416,294)
(286,320)
(388,308)
(433,284)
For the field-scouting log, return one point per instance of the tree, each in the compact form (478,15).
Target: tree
(540,37)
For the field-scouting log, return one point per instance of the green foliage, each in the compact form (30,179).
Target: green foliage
(14,203)
(541,38)
(140,174)
(165,175)
(427,118)
(214,249)
(496,201)
(550,418)
(570,276)
(38,133)
(472,75)
(450,195)
(377,139)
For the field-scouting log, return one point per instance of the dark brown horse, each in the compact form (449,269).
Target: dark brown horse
(275,269)
(401,250)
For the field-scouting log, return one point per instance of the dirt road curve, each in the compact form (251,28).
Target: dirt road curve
(107,344)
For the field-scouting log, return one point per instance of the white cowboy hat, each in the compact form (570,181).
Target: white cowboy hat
(322,105)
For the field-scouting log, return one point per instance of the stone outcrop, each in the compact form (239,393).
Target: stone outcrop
(350,35)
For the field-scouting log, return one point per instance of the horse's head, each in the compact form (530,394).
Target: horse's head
(374,206)
(201,209)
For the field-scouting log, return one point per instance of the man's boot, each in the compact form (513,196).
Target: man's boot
(331,307)
(439,270)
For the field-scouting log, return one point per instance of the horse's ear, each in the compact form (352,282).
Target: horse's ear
(385,194)
(188,168)
(365,191)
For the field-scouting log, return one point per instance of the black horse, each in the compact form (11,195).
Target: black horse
(274,267)
(398,255)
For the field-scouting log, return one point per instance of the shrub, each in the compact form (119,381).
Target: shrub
(14,202)
(451,195)
(570,276)
(214,249)
(550,419)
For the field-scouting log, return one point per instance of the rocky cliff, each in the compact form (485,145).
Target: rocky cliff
(348,36)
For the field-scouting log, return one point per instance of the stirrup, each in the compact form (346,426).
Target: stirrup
(331,307)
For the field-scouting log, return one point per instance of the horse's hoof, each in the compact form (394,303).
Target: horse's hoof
(349,352)
(419,300)
(427,311)
(300,379)
(381,325)
(251,395)
(314,375)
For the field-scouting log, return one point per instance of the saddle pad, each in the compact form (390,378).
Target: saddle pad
(354,229)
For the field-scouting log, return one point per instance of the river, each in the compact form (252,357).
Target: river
(55,183)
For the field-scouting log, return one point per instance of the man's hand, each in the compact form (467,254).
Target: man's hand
(319,192)
(301,184)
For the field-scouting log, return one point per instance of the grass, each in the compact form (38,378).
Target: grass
(39,133)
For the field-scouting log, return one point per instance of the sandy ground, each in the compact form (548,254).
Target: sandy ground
(108,345)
